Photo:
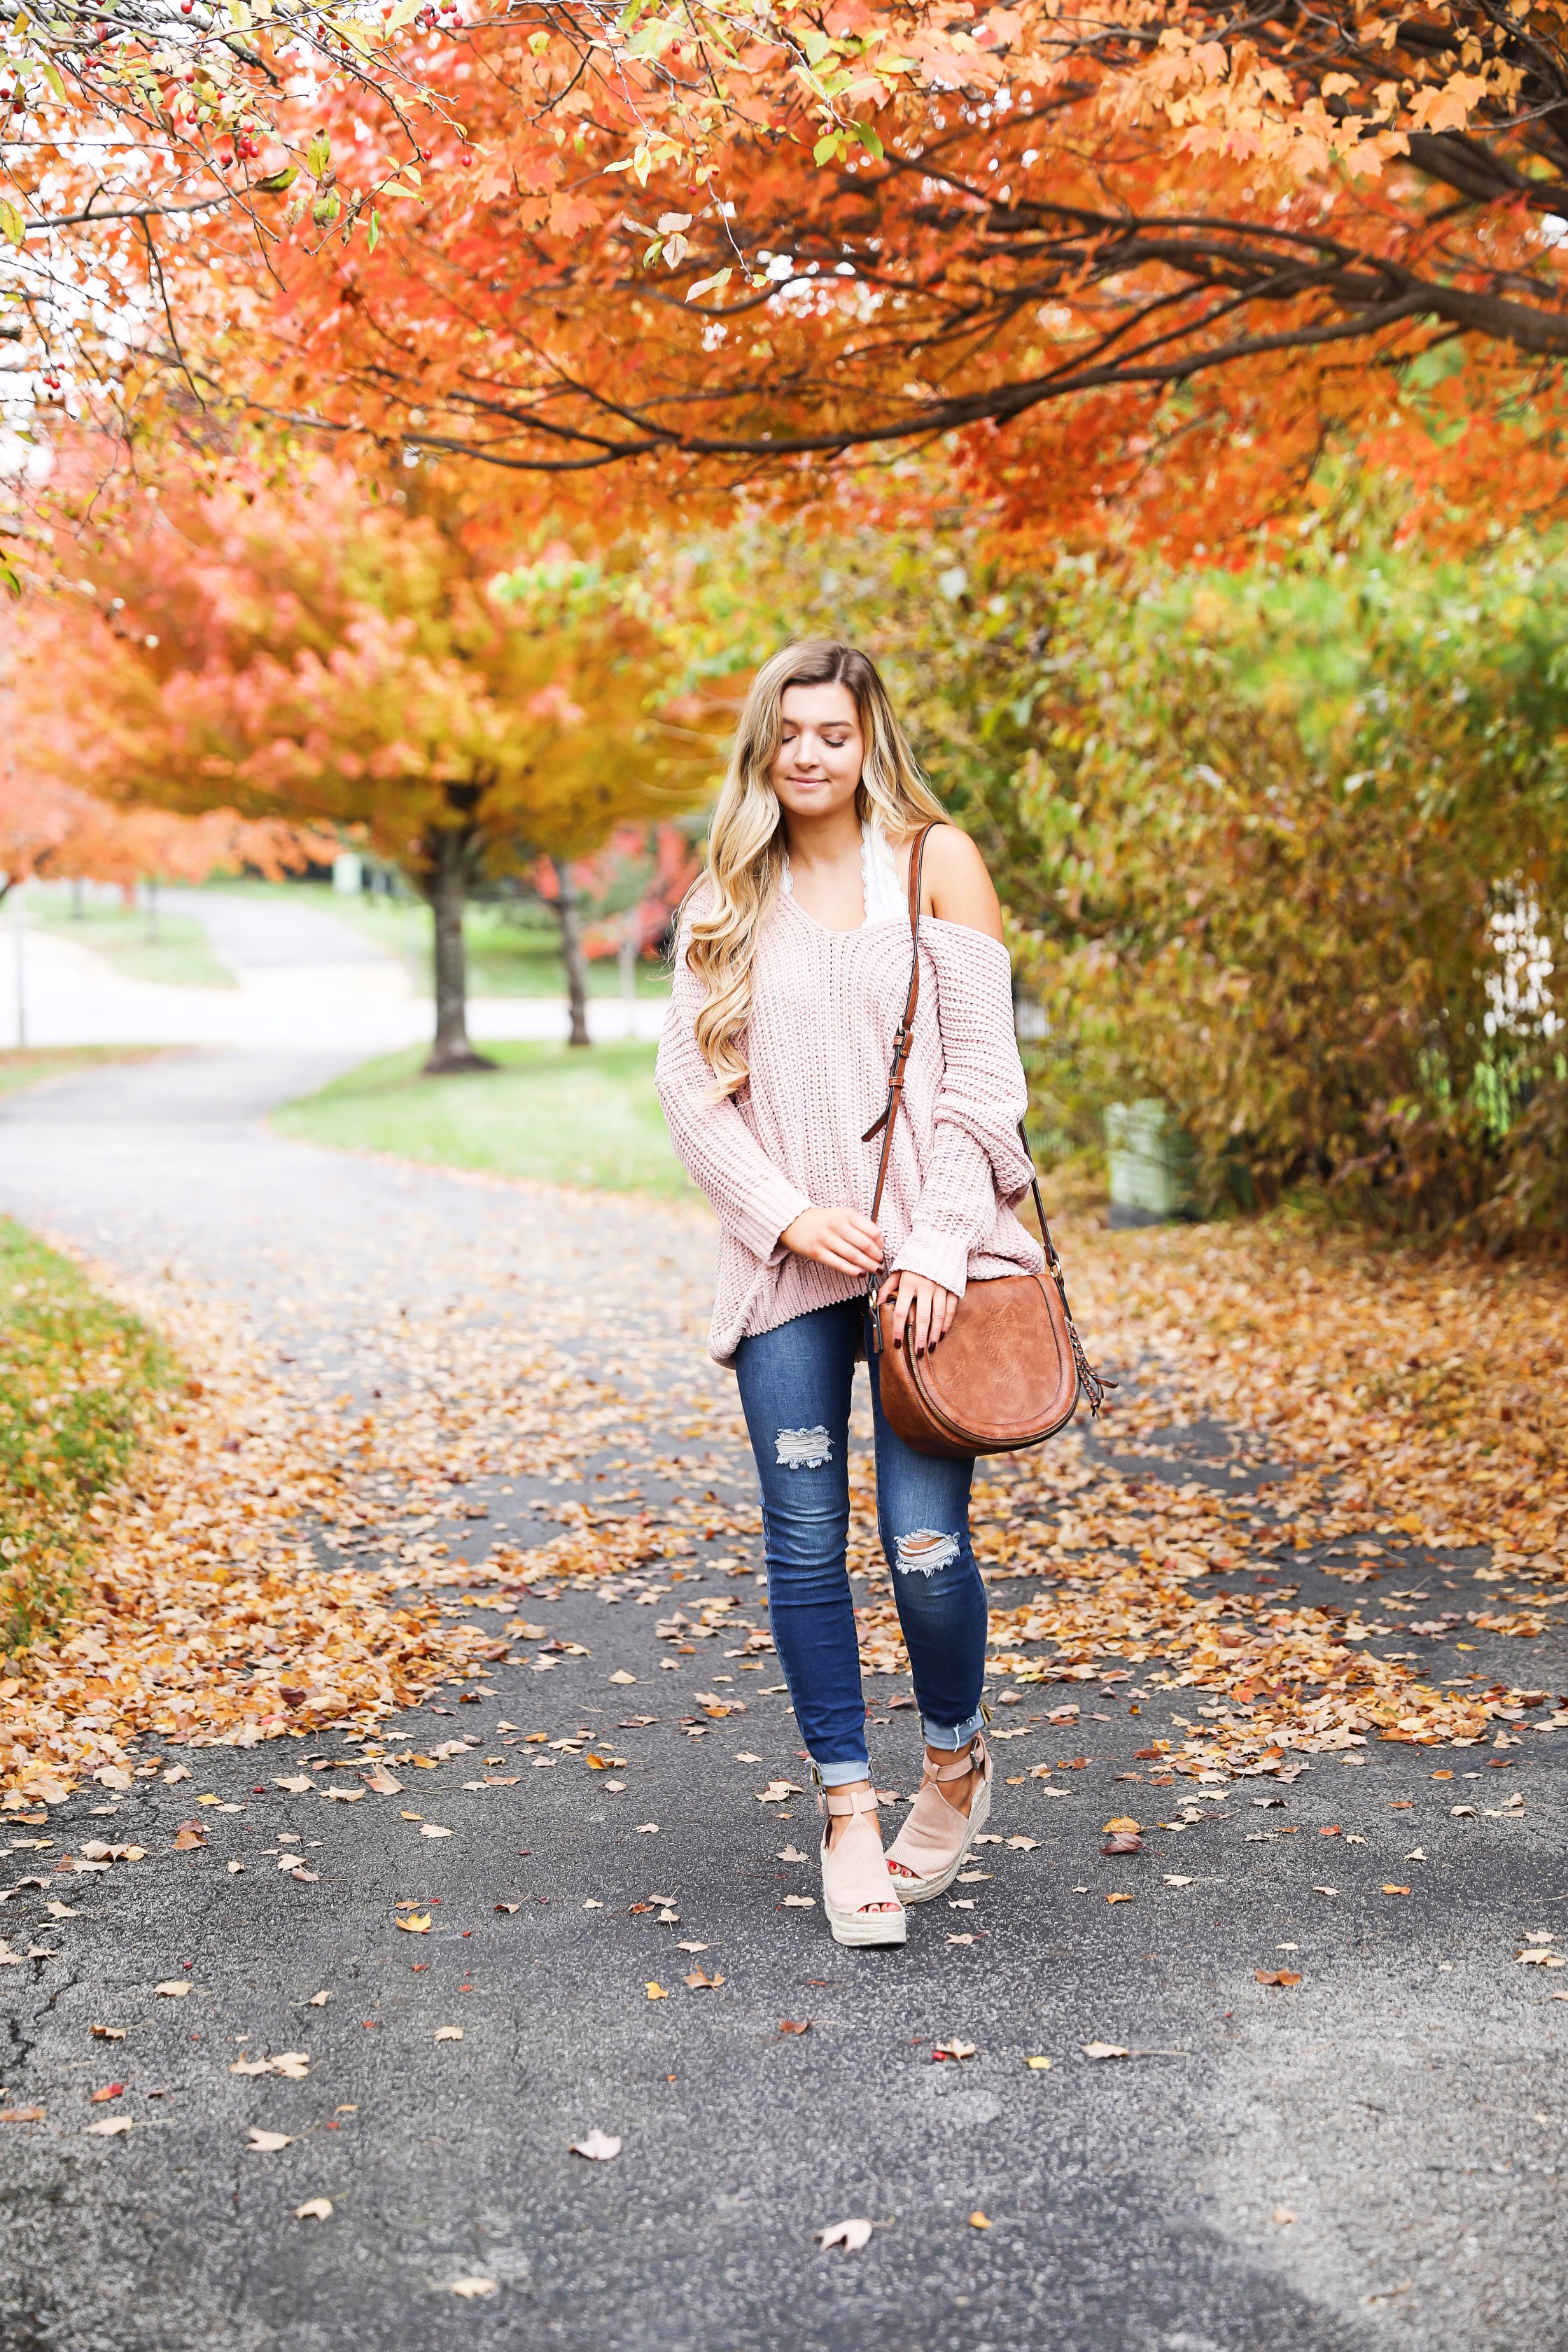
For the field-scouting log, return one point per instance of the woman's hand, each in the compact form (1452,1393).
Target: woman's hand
(922,1310)
(841,1238)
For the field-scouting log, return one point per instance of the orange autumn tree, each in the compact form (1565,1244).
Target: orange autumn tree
(347,655)
(52,830)
(1146,263)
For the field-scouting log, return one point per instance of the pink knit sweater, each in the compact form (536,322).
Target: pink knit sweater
(825,1005)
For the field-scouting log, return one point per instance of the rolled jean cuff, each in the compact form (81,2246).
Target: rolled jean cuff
(958,1735)
(839,1776)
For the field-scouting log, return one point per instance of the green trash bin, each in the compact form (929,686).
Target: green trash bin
(1151,1165)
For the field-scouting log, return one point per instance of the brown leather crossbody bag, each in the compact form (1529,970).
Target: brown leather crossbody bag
(1012,1368)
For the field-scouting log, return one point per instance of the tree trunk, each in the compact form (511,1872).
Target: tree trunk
(572,953)
(631,947)
(444,883)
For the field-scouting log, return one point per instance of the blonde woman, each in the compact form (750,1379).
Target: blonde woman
(791,970)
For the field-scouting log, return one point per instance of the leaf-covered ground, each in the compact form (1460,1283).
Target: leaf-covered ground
(268,1565)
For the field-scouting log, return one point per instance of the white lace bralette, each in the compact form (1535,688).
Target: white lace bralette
(880,885)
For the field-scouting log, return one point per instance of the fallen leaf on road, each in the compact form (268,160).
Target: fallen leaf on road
(186,1840)
(850,2235)
(175,1990)
(177,1772)
(432,1829)
(471,2289)
(794,2025)
(1021,1844)
(448,2033)
(1392,1889)
(776,1792)
(1104,2050)
(110,2091)
(416,1923)
(692,1947)
(800,1902)
(978,2221)
(1123,1822)
(953,2049)
(1459,1810)
(384,1783)
(655,1992)
(1119,1898)
(1543,1959)
(1038,2065)
(61,1911)
(1325,1890)
(22,2115)
(341,1796)
(700,1983)
(792,1853)
(1276,1976)
(295,1782)
(1171,1881)
(648,1829)
(108,2032)
(596,2146)
(108,2127)
(267,2143)
(315,2209)
(1282,2216)
(234,1868)
(742,1756)
(621,1675)
(318,2001)
(1124,1842)
(513,1906)
(961,1939)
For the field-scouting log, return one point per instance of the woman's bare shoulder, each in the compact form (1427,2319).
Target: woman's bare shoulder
(958,887)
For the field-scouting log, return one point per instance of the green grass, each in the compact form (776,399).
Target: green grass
(507,957)
(29,1066)
(80,1379)
(588,1118)
(179,956)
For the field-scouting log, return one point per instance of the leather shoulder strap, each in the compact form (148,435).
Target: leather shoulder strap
(903,1036)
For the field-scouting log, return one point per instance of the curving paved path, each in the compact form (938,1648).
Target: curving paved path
(1407,2105)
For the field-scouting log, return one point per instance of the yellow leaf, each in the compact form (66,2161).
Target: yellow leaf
(417,1924)
(1119,1898)
(977,2221)
(656,1991)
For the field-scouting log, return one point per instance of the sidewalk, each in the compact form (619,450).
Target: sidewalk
(304,979)
(1369,2156)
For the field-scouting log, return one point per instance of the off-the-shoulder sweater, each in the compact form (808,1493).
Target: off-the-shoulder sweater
(818,1044)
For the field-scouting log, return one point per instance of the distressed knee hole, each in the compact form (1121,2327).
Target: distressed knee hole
(922,1553)
(804,1449)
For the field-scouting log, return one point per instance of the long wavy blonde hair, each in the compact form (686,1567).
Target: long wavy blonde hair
(746,841)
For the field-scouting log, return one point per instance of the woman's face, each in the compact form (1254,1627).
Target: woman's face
(819,756)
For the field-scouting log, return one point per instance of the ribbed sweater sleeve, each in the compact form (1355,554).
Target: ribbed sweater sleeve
(752,1200)
(975,1158)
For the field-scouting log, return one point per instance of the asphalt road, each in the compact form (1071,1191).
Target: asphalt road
(1405,2104)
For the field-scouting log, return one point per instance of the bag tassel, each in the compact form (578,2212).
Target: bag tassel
(1094,1384)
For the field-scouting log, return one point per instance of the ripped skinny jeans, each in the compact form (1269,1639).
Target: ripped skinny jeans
(794,1385)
